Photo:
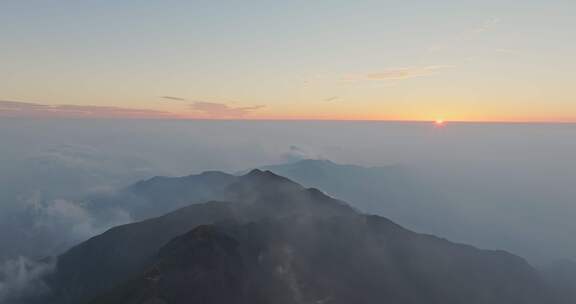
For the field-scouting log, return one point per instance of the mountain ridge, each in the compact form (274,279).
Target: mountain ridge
(292,245)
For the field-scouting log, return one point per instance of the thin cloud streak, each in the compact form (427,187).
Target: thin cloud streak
(221,110)
(173,98)
(396,73)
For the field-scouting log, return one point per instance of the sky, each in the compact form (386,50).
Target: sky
(351,60)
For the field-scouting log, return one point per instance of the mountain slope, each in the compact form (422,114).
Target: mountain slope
(118,253)
(356,259)
(274,241)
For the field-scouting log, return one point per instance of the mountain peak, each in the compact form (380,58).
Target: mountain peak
(255,172)
(265,176)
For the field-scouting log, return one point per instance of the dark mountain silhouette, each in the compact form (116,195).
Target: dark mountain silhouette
(270,240)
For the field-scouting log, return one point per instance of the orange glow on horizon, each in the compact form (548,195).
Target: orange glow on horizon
(439,123)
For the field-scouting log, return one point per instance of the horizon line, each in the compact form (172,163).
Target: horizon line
(430,121)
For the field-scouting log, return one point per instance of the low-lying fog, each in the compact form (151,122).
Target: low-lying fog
(512,184)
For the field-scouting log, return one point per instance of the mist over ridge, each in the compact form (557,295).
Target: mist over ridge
(514,177)
(503,186)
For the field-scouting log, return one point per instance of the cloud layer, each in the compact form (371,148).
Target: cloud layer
(28,109)
(200,109)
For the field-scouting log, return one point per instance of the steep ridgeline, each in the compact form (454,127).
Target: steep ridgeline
(272,241)
(391,191)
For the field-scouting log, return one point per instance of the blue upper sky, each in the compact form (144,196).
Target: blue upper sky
(461,60)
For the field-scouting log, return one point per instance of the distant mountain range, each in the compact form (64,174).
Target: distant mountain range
(392,191)
(262,238)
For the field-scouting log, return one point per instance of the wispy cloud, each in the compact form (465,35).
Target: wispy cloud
(29,109)
(466,36)
(221,110)
(395,73)
(505,51)
(487,24)
(296,153)
(332,98)
(22,279)
(173,98)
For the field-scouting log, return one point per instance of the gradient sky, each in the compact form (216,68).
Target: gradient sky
(400,60)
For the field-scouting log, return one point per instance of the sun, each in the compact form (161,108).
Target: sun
(439,122)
